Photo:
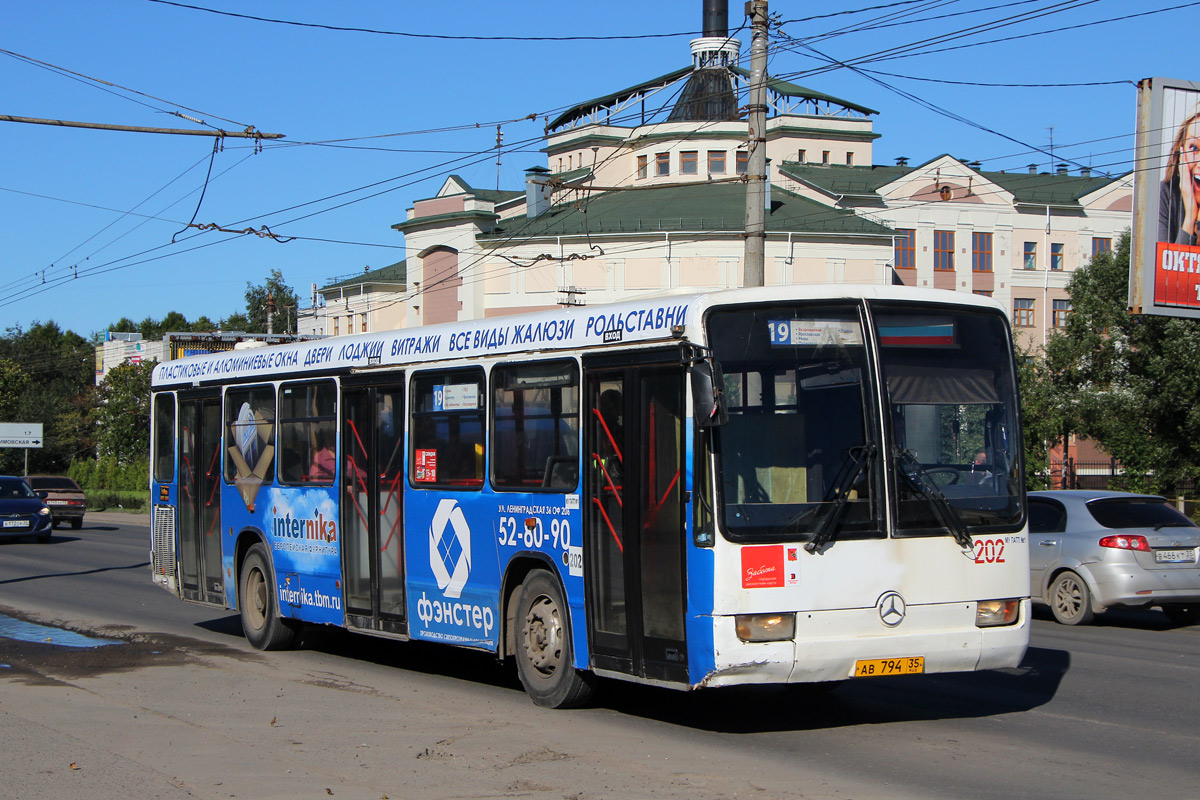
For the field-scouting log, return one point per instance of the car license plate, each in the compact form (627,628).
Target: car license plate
(1175,556)
(877,667)
(16,523)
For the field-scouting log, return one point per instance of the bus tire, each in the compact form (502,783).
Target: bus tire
(545,657)
(256,599)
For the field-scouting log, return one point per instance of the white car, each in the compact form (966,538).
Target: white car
(1093,550)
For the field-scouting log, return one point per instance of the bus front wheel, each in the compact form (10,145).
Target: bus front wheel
(260,612)
(545,657)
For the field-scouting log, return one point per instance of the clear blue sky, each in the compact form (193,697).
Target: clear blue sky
(70,199)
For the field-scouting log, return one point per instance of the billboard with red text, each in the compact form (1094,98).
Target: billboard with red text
(1165,259)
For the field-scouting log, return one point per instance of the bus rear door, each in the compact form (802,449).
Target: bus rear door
(199,521)
(372,492)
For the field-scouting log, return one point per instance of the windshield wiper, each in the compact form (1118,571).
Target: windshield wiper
(840,496)
(925,486)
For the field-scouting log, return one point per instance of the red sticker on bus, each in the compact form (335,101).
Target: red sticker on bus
(426,467)
(762,567)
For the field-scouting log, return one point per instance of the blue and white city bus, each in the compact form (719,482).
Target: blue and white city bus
(784,485)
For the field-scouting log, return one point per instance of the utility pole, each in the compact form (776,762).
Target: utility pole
(270,312)
(756,167)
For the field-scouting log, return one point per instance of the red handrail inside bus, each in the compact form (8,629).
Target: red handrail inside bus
(608,522)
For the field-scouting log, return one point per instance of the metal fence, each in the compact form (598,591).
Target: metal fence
(1111,474)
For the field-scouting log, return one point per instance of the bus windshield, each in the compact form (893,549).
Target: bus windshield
(952,399)
(808,450)
(799,442)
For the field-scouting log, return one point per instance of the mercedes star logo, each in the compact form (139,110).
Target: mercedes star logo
(891,609)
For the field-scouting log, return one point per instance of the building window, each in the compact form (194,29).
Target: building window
(335,326)
(662,164)
(1023,312)
(349,323)
(943,250)
(1056,255)
(802,156)
(1100,246)
(643,168)
(849,159)
(743,161)
(362,319)
(906,248)
(1062,309)
(688,162)
(824,156)
(981,252)
(982,292)
(1031,255)
(716,162)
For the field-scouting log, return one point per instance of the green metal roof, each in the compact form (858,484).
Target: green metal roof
(1038,189)
(393,273)
(1044,188)
(841,180)
(496,196)
(703,207)
(794,90)
(583,109)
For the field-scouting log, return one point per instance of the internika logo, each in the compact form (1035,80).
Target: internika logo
(450,548)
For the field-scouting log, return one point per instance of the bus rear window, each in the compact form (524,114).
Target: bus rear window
(447,430)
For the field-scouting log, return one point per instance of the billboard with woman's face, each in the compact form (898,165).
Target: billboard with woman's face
(1165,268)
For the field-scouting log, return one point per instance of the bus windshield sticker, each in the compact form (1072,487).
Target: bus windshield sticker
(426,466)
(456,397)
(812,332)
(925,332)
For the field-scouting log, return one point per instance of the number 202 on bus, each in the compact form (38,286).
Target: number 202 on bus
(989,551)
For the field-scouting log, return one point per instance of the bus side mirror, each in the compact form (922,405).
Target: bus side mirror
(708,393)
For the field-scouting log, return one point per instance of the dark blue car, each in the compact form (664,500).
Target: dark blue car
(22,512)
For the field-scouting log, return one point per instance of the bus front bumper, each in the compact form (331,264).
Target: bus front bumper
(829,645)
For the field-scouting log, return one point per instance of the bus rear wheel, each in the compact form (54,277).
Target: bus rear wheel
(545,657)
(256,598)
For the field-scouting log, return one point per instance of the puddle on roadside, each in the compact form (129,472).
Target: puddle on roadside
(21,631)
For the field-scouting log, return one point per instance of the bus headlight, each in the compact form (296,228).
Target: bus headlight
(765,627)
(990,613)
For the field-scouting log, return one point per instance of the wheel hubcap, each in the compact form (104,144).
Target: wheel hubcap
(1067,598)
(543,635)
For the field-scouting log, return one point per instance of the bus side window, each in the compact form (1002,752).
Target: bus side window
(447,429)
(535,426)
(164,437)
(307,433)
(249,434)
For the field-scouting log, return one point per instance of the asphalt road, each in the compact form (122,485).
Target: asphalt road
(182,707)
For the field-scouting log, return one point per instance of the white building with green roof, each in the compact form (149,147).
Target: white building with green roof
(642,192)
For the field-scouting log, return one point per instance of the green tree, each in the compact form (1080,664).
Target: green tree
(122,412)
(280,293)
(13,383)
(236,322)
(1129,382)
(60,366)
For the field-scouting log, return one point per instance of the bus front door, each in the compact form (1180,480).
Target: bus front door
(199,519)
(634,518)
(371,500)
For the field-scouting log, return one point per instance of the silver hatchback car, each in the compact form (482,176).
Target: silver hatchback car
(1092,550)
